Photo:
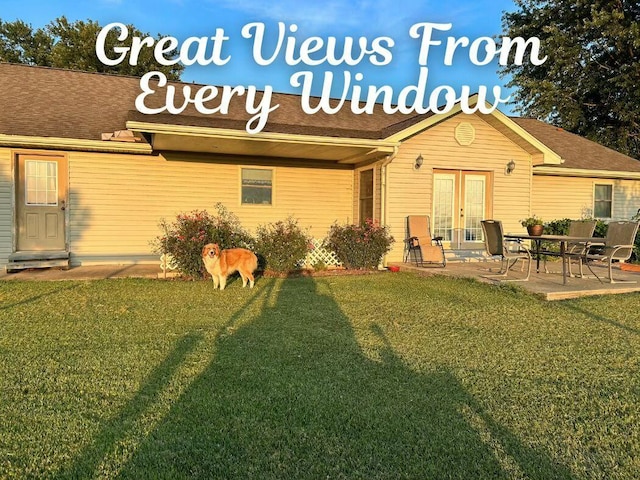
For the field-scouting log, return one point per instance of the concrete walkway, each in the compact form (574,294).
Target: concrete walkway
(86,273)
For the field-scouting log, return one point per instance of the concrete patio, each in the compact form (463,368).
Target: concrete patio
(547,285)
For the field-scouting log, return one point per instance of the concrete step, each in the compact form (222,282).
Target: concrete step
(28,259)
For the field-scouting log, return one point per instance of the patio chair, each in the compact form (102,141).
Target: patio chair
(424,248)
(618,246)
(496,245)
(574,250)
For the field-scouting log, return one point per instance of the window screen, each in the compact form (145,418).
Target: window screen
(603,201)
(257,185)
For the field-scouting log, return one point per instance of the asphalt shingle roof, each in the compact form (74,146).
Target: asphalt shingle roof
(576,151)
(48,102)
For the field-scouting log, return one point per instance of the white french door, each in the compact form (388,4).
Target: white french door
(461,199)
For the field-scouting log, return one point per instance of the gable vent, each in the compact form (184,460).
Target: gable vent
(465,134)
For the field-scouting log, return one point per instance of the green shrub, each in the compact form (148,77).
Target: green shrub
(557,227)
(359,246)
(561,227)
(282,245)
(601,229)
(184,238)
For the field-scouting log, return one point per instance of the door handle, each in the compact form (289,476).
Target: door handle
(64,205)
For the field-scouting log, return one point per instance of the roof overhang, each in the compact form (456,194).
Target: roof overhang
(342,150)
(540,153)
(56,143)
(584,173)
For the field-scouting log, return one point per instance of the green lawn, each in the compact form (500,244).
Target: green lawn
(379,376)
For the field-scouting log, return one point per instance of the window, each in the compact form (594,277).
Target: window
(41,182)
(257,186)
(603,201)
(366,195)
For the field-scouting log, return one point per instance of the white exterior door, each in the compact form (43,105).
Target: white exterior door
(461,199)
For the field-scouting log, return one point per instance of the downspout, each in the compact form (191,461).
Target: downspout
(383,191)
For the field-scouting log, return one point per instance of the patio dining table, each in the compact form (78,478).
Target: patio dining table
(563,240)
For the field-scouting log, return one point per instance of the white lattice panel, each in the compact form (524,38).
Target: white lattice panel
(167,262)
(321,255)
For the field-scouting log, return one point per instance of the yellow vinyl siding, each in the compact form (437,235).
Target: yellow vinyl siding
(116,201)
(626,199)
(6,206)
(556,197)
(410,190)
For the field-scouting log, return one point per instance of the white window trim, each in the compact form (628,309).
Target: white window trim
(613,197)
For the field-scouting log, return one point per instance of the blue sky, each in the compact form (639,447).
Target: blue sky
(338,18)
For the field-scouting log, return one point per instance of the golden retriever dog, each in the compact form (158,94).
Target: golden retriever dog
(221,264)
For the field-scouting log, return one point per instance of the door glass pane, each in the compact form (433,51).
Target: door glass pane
(41,182)
(474,207)
(366,195)
(443,190)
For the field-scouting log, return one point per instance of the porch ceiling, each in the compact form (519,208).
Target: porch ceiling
(233,142)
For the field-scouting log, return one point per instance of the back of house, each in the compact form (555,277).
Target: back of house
(85,178)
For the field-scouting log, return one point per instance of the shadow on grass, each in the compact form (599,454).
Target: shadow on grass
(35,298)
(603,319)
(117,429)
(285,399)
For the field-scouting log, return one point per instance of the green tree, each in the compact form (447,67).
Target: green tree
(590,82)
(65,44)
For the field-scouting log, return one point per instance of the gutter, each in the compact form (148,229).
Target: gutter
(229,134)
(383,191)
(57,143)
(585,173)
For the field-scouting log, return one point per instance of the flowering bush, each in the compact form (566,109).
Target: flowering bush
(359,246)
(282,245)
(184,238)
